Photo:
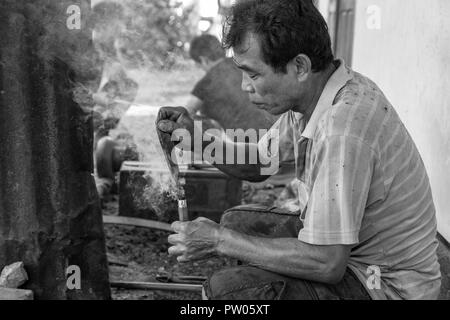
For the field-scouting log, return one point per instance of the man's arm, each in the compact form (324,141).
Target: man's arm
(291,257)
(172,118)
(247,172)
(194,104)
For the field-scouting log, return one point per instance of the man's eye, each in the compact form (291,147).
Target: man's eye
(253,76)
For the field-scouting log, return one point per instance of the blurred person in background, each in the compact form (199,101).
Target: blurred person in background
(218,95)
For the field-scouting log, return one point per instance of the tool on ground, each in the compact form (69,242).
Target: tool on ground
(175,278)
(167,146)
(136,222)
(156,286)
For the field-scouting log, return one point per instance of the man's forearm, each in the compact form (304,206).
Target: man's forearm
(248,172)
(240,160)
(286,256)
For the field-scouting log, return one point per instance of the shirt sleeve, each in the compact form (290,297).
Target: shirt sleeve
(278,144)
(201,89)
(341,178)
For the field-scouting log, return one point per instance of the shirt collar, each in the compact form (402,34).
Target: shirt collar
(336,82)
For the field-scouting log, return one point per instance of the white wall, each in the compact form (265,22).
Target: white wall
(407,53)
(324,6)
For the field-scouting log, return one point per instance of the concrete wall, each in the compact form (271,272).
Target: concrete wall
(404,46)
(50,216)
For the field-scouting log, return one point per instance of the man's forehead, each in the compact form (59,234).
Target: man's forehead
(248,53)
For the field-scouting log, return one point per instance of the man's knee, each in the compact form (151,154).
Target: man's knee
(251,283)
(244,283)
(232,220)
(261,222)
(204,296)
(249,221)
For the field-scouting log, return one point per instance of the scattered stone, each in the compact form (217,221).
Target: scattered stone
(13,276)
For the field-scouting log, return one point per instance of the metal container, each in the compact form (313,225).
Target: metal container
(144,192)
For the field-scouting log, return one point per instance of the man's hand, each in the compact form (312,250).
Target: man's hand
(173,118)
(194,240)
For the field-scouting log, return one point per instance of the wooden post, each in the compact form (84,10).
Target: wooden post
(49,210)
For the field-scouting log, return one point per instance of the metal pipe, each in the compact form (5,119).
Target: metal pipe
(156,286)
(136,222)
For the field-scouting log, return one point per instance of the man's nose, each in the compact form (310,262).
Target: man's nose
(246,85)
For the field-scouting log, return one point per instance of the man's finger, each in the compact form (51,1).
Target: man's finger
(178,226)
(177,250)
(170,113)
(168,126)
(182,258)
(203,219)
(175,239)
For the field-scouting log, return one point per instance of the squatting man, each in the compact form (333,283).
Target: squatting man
(366,195)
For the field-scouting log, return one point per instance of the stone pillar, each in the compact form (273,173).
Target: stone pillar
(49,210)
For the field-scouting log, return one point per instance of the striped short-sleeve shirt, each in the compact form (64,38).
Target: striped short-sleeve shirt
(363,183)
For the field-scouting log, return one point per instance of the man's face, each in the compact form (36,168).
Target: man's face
(274,92)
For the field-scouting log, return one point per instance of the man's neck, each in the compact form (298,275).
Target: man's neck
(318,84)
(215,63)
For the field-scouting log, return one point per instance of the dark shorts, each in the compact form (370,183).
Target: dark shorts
(246,282)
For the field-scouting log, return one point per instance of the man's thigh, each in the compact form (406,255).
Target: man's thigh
(251,283)
(247,282)
(261,221)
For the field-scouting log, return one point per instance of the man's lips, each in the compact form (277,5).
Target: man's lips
(258,103)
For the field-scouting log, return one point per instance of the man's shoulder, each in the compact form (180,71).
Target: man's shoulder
(226,66)
(286,121)
(218,78)
(360,91)
(359,110)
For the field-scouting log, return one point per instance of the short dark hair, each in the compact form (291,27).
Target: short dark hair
(206,46)
(284,28)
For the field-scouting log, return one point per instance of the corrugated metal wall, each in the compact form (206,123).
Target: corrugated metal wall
(49,210)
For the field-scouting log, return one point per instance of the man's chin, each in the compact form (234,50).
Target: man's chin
(272,111)
(275,111)
(262,106)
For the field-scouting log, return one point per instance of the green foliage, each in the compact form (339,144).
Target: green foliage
(156,32)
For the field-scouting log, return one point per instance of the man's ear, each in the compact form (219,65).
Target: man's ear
(303,67)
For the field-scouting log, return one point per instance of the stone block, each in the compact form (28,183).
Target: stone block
(147,193)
